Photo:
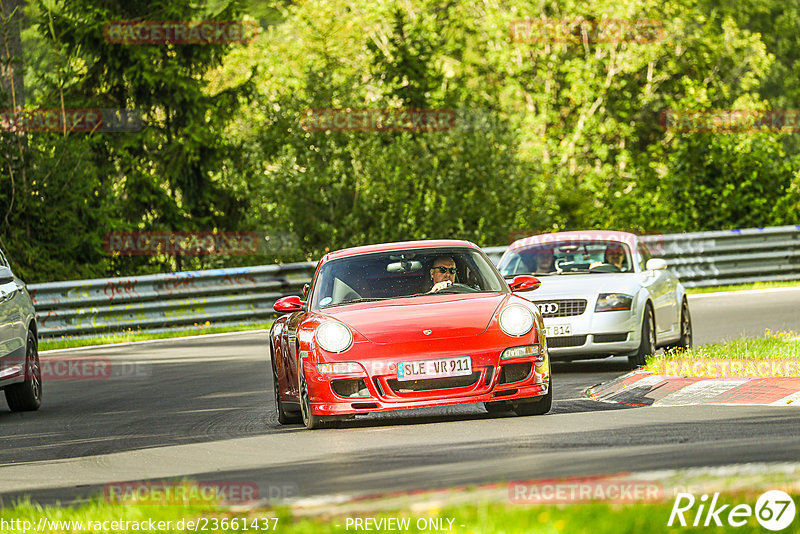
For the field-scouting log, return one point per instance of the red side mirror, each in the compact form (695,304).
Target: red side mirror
(525,282)
(288,304)
(306,287)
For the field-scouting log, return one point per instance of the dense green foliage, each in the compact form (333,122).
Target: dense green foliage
(549,135)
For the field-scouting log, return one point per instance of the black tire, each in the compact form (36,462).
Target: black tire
(27,396)
(539,406)
(285,417)
(498,407)
(685,341)
(647,345)
(311,421)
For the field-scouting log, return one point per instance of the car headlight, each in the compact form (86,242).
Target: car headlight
(333,336)
(516,320)
(613,302)
(339,368)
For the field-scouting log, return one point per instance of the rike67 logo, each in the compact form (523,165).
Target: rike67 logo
(774,510)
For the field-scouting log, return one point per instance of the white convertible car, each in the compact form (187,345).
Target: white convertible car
(601,295)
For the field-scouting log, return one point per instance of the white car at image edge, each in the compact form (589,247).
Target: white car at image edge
(20,373)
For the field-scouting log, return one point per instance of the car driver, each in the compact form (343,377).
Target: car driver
(443,273)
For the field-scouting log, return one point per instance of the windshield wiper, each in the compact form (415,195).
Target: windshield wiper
(355,301)
(512,276)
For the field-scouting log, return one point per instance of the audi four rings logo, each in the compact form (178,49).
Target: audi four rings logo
(548,308)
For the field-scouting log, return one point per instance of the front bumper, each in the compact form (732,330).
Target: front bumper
(380,390)
(595,334)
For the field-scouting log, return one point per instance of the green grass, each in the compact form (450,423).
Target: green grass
(124,337)
(741,287)
(776,354)
(482,518)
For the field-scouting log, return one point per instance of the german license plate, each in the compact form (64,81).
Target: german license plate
(423,369)
(556,330)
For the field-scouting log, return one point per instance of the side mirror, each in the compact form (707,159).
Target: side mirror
(525,282)
(6,276)
(288,304)
(306,287)
(655,264)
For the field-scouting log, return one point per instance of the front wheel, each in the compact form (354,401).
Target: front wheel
(27,396)
(310,420)
(685,341)
(539,406)
(647,345)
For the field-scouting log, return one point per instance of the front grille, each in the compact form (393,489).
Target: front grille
(610,338)
(561,307)
(432,384)
(364,405)
(378,386)
(514,372)
(566,341)
(489,373)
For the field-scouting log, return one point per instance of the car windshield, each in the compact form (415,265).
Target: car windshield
(400,274)
(563,257)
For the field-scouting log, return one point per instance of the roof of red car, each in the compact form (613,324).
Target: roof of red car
(578,235)
(384,247)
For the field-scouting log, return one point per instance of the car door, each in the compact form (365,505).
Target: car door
(657,284)
(7,315)
(673,306)
(12,325)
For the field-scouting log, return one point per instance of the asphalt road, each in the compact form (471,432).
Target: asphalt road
(202,408)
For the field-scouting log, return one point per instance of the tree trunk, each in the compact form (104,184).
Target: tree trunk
(11,80)
(12,96)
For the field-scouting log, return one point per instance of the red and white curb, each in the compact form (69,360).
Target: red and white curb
(640,388)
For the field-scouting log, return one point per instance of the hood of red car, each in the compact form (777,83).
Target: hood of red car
(420,318)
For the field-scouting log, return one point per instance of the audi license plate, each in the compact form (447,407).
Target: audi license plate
(423,369)
(556,330)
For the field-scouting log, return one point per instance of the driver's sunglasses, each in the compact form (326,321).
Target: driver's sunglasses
(443,270)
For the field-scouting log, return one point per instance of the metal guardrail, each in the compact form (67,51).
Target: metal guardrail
(243,295)
(729,257)
(165,301)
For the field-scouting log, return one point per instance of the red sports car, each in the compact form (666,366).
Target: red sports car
(408,325)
